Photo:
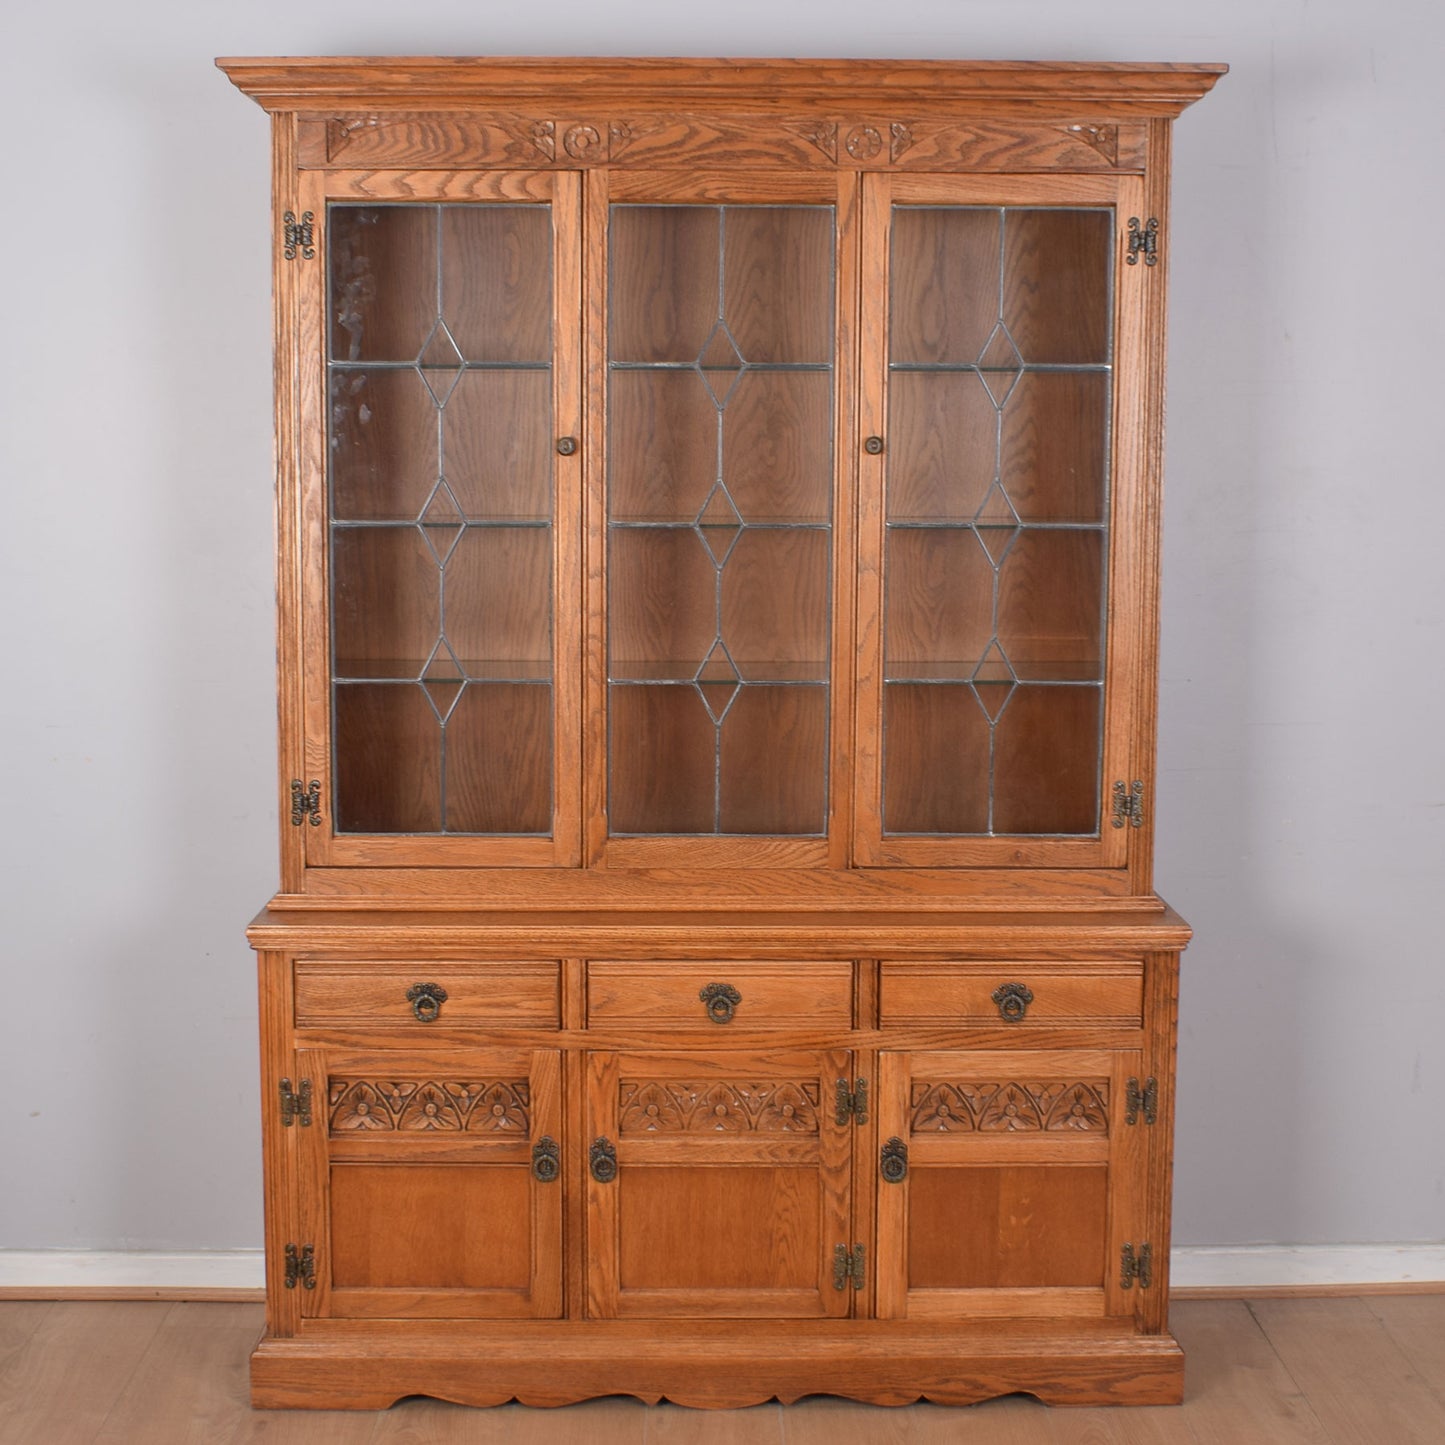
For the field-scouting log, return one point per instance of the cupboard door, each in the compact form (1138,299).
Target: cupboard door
(1008,1184)
(444,671)
(431,1184)
(1000,377)
(717,1187)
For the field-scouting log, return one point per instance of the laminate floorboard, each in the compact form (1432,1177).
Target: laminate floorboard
(1359,1382)
(1351,1371)
(60,1387)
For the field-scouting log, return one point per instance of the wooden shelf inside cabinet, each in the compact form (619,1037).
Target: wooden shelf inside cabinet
(718,587)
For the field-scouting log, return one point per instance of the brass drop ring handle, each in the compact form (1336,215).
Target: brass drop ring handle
(546,1159)
(602,1160)
(1013,1000)
(893,1161)
(721,999)
(426,1000)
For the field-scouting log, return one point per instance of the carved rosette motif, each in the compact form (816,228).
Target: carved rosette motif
(662,1107)
(486,1107)
(862,142)
(1102,138)
(585,141)
(1010,1107)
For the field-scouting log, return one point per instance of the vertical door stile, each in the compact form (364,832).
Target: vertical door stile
(1128,1211)
(872,421)
(307,455)
(313,1184)
(892,1245)
(568,514)
(594,468)
(547,1260)
(603,1274)
(848,300)
(1131,536)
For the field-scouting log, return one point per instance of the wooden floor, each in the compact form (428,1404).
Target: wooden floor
(1354,1371)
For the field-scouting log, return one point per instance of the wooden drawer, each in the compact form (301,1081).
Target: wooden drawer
(476,995)
(1019,993)
(720,995)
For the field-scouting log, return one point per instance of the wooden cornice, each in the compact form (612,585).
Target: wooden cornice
(924,87)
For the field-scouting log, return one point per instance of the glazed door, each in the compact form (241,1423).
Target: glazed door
(441,513)
(1009,1184)
(723,510)
(717,1185)
(1001,523)
(430,1184)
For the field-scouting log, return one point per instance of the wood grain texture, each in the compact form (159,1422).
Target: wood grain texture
(367,84)
(437,140)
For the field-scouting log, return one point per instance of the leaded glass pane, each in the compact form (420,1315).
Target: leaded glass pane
(996,490)
(440,487)
(720,466)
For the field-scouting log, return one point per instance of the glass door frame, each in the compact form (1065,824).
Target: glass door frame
(323,844)
(1129,489)
(723,188)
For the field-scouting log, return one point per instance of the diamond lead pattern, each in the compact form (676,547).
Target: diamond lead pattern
(440,363)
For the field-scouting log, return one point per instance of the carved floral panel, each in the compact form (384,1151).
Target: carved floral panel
(1009,1107)
(485,1107)
(671,1106)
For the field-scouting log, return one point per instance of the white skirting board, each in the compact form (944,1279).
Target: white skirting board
(1243,1268)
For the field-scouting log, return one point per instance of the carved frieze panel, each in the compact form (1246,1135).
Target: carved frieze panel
(652,1106)
(497,1106)
(1009,1107)
(489,140)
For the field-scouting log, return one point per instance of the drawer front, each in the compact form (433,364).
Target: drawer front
(1014,993)
(719,995)
(418,995)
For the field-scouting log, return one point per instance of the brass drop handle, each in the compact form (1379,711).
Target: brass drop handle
(602,1159)
(873,446)
(426,1000)
(546,1159)
(1013,1000)
(893,1161)
(720,999)
(566,446)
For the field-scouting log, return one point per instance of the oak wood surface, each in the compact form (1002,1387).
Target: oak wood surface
(440,82)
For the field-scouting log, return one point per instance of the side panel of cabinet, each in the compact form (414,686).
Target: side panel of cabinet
(717,1186)
(1008,1184)
(423,1187)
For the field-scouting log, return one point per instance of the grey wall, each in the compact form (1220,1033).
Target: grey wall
(1302,797)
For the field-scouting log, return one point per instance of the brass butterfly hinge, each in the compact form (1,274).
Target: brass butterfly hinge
(1143,1100)
(1128,804)
(851,1103)
(1143,241)
(1136,1266)
(301,1266)
(305,802)
(295,1103)
(847,1266)
(298,237)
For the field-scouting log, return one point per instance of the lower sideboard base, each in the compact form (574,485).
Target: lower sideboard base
(709,1365)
